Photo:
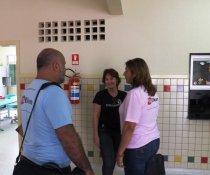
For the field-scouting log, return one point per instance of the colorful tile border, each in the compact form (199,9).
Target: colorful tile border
(204,159)
(191,159)
(177,158)
(22,86)
(127,87)
(166,88)
(66,87)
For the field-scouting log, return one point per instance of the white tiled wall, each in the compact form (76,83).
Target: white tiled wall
(184,143)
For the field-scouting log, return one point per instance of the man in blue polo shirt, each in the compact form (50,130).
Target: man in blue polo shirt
(50,138)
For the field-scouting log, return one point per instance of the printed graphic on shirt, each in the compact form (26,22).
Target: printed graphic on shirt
(26,100)
(152,102)
(115,103)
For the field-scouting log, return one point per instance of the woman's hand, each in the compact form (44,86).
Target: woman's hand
(120,160)
(127,133)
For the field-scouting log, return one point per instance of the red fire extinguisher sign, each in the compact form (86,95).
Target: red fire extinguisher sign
(75,59)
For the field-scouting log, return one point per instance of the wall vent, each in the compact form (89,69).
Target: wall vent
(72,31)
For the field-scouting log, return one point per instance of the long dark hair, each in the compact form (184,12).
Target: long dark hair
(113,73)
(140,70)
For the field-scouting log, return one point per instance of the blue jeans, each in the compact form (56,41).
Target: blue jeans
(109,143)
(136,160)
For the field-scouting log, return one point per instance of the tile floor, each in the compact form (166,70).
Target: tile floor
(8,147)
(9,151)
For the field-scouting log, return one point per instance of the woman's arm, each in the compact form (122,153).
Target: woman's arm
(127,133)
(96,114)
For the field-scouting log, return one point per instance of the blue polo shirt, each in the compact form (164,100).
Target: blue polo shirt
(52,110)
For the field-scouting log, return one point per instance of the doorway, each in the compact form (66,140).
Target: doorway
(10,68)
(9,73)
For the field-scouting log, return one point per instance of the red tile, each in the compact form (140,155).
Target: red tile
(204,159)
(22,86)
(167,88)
(66,87)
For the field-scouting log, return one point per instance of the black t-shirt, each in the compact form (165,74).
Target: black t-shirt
(109,116)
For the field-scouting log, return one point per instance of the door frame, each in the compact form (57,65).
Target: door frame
(17,44)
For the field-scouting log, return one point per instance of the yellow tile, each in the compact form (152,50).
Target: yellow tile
(177,159)
(90,87)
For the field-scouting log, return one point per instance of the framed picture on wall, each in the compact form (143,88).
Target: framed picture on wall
(199,88)
(199,71)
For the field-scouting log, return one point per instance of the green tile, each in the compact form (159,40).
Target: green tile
(191,159)
(90,154)
(101,86)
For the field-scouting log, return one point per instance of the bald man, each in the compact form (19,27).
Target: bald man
(51,142)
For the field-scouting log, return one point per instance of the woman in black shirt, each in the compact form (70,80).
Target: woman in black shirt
(106,121)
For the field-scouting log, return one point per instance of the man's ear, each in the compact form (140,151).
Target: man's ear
(55,66)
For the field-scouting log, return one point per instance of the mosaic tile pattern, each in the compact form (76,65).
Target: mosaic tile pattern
(184,143)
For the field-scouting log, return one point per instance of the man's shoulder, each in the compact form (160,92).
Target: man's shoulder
(53,91)
(53,88)
(36,83)
(47,84)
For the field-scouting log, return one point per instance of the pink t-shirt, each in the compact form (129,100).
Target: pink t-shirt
(141,109)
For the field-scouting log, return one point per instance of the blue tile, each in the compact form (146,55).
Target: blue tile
(166,158)
(127,87)
(180,88)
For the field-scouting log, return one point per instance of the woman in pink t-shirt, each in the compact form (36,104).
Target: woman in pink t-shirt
(138,114)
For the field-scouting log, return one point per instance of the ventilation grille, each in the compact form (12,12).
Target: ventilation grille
(72,31)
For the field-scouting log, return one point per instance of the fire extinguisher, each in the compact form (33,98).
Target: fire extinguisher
(74,87)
